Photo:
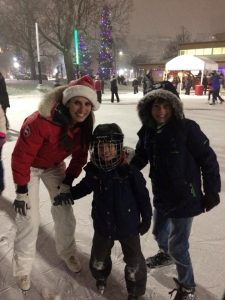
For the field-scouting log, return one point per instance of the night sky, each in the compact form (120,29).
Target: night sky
(165,17)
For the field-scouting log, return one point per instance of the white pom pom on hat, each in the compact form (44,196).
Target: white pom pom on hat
(84,87)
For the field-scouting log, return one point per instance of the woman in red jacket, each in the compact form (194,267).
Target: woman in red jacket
(61,127)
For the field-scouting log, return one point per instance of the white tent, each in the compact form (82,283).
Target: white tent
(191,63)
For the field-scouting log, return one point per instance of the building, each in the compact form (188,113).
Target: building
(214,50)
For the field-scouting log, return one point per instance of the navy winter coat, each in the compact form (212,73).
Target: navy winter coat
(120,198)
(182,164)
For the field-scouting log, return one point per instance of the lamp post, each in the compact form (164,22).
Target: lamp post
(38,54)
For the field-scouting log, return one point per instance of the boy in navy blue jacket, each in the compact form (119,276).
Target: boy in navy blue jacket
(185,178)
(121,208)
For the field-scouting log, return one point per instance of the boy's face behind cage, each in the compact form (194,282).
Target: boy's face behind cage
(106,155)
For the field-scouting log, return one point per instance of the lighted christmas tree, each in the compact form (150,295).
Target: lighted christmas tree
(85,57)
(106,42)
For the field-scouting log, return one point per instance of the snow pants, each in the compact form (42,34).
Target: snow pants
(27,226)
(135,269)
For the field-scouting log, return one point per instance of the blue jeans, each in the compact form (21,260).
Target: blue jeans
(172,236)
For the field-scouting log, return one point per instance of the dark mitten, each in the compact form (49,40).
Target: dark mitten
(144,226)
(210,200)
(21,204)
(63,198)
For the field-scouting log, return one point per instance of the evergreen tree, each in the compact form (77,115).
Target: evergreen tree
(106,42)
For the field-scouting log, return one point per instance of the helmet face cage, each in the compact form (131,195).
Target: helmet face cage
(106,151)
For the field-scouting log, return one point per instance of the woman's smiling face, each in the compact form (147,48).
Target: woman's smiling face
(79,108)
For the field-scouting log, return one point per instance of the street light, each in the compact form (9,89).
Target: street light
(16,65)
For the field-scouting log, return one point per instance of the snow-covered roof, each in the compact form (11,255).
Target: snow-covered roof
(191,63)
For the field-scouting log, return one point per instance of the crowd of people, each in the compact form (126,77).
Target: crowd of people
(184,174)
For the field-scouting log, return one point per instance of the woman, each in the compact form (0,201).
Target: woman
(61,127)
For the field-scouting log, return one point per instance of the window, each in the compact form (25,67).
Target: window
(199,51)
(191,51)
(208,51)
(217,51)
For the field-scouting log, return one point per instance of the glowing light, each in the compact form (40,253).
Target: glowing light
(76,46)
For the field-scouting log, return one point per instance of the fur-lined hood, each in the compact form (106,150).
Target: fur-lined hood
(144,106)
(50,100)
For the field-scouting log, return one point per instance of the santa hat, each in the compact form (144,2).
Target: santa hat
(84,87)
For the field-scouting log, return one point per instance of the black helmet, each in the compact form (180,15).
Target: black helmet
(109,135)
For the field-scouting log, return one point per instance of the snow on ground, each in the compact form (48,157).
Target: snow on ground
(50,277)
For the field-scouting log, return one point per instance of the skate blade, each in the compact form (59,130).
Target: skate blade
(101,289)
(25,292)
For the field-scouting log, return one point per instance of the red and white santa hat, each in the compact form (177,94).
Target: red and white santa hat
(84,87)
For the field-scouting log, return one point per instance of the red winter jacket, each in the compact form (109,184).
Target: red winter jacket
(98,85)
(38,146)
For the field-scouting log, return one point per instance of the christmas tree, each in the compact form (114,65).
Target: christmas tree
(106,42)
(85,57)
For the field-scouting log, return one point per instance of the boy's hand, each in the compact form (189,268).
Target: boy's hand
(63,198)
(211,200)
(144,226)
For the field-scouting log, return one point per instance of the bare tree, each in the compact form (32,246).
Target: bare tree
(172,48)
(60,18)
(57,20)
(17,27)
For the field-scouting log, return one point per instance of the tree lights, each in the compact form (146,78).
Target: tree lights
(106,42)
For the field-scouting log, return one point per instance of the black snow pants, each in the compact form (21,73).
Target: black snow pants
(135,269)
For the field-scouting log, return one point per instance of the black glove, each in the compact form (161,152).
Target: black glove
(63,198)
(144,226)
(210,200)
(21,204)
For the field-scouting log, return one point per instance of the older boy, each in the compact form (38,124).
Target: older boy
(180,157)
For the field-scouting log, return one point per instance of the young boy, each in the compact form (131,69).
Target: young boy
(180,158)
(120,198)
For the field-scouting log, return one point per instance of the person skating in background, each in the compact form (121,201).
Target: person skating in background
(98,88)
(215,80)
(2,142)
(205,84)
(121,208)
(61,127)
(4,98)
(135,85)
(188,84)
(114,89)
(148,81)
(180,160)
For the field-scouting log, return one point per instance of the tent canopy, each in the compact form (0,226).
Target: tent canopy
(191,63)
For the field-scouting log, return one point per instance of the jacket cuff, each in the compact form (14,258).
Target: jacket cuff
(22,189)
(68,179)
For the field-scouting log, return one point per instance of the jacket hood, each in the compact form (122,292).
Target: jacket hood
(144,106)
(50,100)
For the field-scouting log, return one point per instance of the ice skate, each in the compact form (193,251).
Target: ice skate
(101,285)
(161,259)
(183,293)
(131,297)
(23,283)
(73,263)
